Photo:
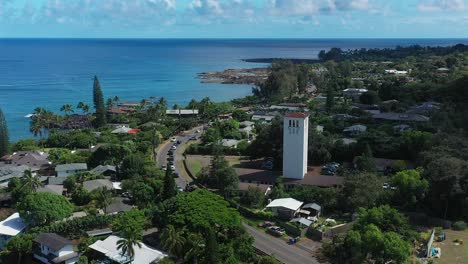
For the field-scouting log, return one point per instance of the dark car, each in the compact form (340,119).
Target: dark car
(193,138)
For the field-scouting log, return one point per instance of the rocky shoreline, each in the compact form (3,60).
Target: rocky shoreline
(235,76)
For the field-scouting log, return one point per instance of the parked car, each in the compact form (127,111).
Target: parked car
(174,147)
(164,167)
(178,142)
(175,174)
(170,158)
(276,231)
(193,138)
(197,131)
(173,139)
(266,224)
(172,167)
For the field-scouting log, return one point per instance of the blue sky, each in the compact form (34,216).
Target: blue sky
(234,18)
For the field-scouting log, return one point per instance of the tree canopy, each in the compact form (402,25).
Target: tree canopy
(44,208)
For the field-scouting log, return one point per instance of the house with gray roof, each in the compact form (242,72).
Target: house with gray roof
(52,248)
(34,159)
(10,171)
(65,170)
(401,117)
(99,183)
(106,170)
(355,130)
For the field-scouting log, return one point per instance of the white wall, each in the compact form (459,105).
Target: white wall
(295,145)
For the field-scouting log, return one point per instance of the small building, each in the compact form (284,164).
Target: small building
(400,129)
(353,93)
(99,183)
(285,207)
(355,130)
(424,108)
(52,188)
(264,116)
(317,208)
(65,170)
(11,227)
(230,143)
(183,112)
(396,72)
(106,250)
(52,248)
(106,170)
(246,124)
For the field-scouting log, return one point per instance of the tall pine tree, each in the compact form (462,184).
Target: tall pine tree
(98,99)
(169,185)
(3,135)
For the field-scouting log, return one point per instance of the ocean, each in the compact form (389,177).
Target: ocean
(53,72)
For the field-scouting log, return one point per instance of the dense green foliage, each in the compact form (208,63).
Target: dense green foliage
(44,208)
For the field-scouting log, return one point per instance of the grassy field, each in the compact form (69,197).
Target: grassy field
(451,253)
(195,166)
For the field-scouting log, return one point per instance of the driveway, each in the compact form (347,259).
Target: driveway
(278,248)
(161,156)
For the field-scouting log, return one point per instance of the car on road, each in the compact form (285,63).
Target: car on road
(172,167)
(180,189)
(164,167)
(178,142)
(174,147)
(170,158)
(197,131)
(266,224)
(175,174)
(193,138)
(173,139)
(276,231)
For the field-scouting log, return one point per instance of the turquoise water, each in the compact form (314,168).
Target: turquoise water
(53,72)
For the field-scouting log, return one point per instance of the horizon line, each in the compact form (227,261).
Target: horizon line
(246,38)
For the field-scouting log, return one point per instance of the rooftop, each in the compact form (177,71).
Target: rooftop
(52,241)
(103,168)
(143,254)
(297,115)
(289,203)
(12,226)
(99,183)
(71,167)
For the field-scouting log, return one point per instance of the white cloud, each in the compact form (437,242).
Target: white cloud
(442,5)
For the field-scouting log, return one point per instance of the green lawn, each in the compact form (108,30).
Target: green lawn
(451,253)
(195,166)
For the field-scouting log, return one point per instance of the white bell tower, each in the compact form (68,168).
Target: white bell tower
(295,145)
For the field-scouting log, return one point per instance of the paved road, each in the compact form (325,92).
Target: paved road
(288,254)
(162,153)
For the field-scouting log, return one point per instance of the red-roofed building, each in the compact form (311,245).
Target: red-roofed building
(134,131)
(297,115)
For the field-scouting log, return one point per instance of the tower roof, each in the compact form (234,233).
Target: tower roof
(297,115)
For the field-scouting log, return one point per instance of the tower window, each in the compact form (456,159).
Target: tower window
(290,121)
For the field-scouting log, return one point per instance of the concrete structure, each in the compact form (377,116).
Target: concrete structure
(108,251)
(52,248)
(285,207)
(295,145)
(10,227)
(65,170)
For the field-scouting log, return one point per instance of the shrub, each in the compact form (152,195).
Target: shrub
(459,225)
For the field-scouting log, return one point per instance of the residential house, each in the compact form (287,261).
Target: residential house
(35,159)
(230,143)
(396,72)
(125,130)
(106,251)
(183,112)
(11,227)
(52,248)
(264,116)
(65,170)
(106,170)
(400,129)
(317,209)
(10,171)
(52,188)
(285,208)
(99,183)
(343,117)
(424,108)
(353,93)
(355,130)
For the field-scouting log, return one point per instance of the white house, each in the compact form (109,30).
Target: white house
(182,112)
(396,72)
(143,255)
(52,248)
(230,143)
(285,207)
(290,107)
(10,227)
(65,170)
(295,138)
(355,130)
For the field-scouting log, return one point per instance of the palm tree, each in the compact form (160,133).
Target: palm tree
(103,198)
(109,103)
(31,182)
(86,108)
(173,241)
(163,102)
(80,105)
(127,244)
(116,99)
(67,108)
